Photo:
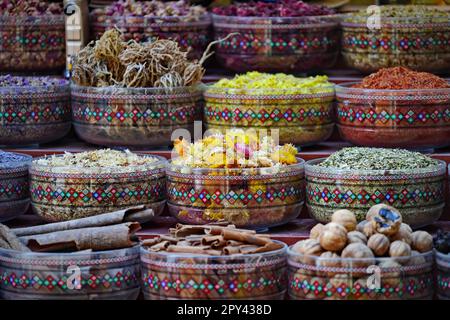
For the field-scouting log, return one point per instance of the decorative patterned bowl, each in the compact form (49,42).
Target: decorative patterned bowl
(195,35)
(312,277)
(113,274)
(252,198)
(301,119)
(276,44)
(66,193)
(394,118)
(136,117)
(418,194)
(170,276)
(14,188)
(443,275)
(32,44)
(34,114)
(398,42)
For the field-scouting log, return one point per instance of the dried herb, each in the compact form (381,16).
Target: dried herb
(377,159)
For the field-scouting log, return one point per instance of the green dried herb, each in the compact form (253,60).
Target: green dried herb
(378,159)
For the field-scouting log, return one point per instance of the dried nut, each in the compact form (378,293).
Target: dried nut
(422,241)
(360,226)
(379,244)
(391,277)
(369,229)
(316,231)
(361,253)
(328,259)
(345,218)
(307,248)
(403,234)
(387,219)
(333,237)
(356,237)
(400,249)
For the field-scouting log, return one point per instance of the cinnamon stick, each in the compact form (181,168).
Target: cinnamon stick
(187,249)
(135,214)
(96,238)
(244,237)
(231,250)
(8,236)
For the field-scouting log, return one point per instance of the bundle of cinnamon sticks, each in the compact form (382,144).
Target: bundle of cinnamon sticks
(212,240)
(113,230)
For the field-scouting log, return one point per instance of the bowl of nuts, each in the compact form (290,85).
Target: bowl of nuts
(33,36)
(377,259)
(358,178)
(71,186)
(265,38)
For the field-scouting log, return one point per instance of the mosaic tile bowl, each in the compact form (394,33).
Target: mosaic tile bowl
(193,35)
(14,188)
(443,275)
(175,276)
(273,44)
(419,194)
(34,114)
(32,44)
(252,198)
(301,119)
(408,43)
(66,193)
(134,117)
(112,275)
(394,118)
(314,278)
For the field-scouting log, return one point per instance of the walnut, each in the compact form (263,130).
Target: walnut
(387,219)
(369,229)
(316,231)
(308,248)
(360,226)
(328,259)
(400,249)
(346,218)
(403,234)
(379,244)
(356,237)
(333,237)
(422,241)
(391,277)
(361,256)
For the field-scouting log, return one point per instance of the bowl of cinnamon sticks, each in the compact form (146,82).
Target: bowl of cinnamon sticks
(213,262)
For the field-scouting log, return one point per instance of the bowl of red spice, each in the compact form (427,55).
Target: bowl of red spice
(288,35)
(395,107)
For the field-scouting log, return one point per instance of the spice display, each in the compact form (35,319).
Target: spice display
(142,21)
(395,107)
(14,185)
(136,95)
(231,263)
(283,8)
(70,186)
(284,36)
(344,273)
(359,178)
(33,36)
(238,178)
(301,109)
(413,36)
(442,245)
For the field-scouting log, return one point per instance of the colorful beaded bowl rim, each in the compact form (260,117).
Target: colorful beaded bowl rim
(60,84)
(185,171)
(21,164)
(26,21)
(69,258)
(344,91)
(220,21)
(312,169)
(327,91)
(67,172)
(149,21)
(208,259)
(133,92)
(316,260)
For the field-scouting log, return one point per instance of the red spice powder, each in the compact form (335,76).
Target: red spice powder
(401,78)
